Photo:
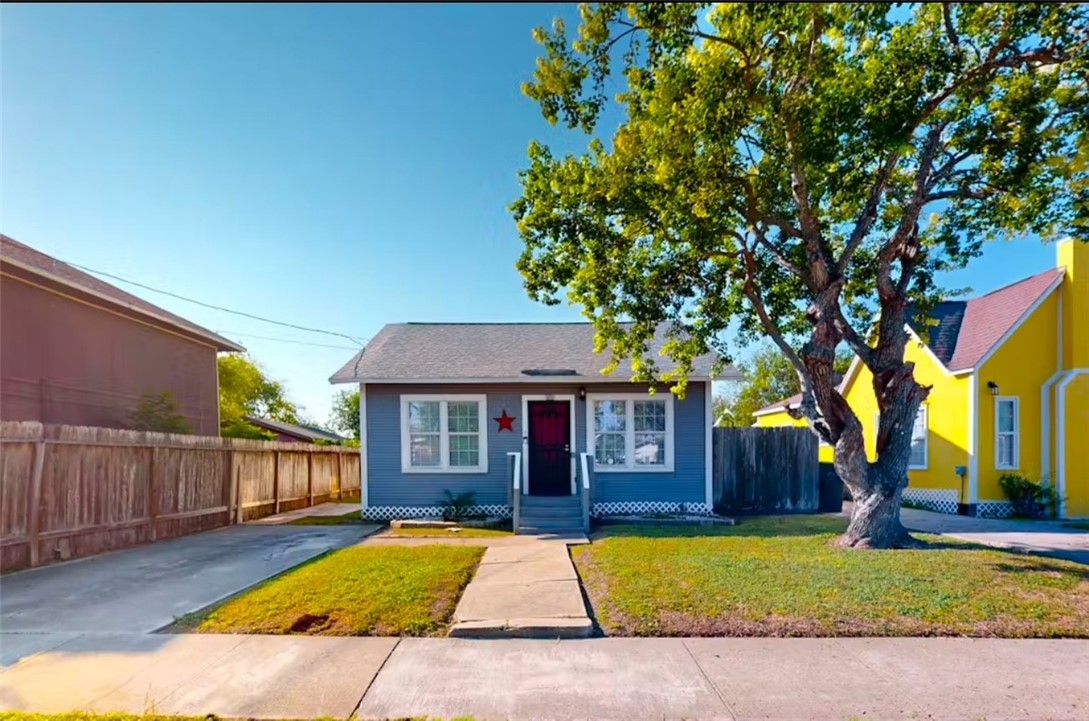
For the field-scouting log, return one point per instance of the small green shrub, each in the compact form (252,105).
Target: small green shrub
(159,412)
(1029,498)
(241,429)
(457,505)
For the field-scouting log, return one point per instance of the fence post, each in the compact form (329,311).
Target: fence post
(152,498)
(238,492)
(232,487)
(310,478)
(276,482)
(340,477)
(33,496)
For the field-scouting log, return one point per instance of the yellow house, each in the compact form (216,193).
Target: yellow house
(1010,394)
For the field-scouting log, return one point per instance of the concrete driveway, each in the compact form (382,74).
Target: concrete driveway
(140,590)
(1044,538)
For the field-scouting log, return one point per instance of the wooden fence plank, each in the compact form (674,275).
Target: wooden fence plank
(765,470)
(73,491)
(33,504)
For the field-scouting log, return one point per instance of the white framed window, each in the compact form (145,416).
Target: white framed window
(630,431)
(444,434)
(1007,433)
(920,435)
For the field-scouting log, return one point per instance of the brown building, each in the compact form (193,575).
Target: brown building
(79,351)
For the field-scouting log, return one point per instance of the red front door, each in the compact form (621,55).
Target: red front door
(549,448)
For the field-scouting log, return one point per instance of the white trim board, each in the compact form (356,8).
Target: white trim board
(363,446)
(570,398)
(708,440)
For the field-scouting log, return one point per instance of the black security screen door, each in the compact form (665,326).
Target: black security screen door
(549,448)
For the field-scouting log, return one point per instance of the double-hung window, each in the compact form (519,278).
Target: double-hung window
(632,432)
(1007,426)
(917,460)
(444,434)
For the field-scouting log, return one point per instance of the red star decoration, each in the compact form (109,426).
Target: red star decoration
(506,423)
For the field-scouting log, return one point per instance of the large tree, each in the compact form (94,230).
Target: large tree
(245,390)
(801,172)
(345,414)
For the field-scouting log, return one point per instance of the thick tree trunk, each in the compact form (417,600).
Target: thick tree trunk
(876,489)
(875,521)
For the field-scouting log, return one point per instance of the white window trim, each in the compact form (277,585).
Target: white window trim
(444,434)
(629,431)
(1016,400)
(926,438)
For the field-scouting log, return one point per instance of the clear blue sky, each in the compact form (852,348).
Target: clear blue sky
(337,166)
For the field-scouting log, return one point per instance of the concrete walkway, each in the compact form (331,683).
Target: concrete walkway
(525,591)
(937,679)
(322,510)
(1044,538)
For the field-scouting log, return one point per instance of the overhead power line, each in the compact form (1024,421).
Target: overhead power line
(218,307)
(286,340)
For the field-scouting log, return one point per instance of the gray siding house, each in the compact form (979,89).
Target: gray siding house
(442,407)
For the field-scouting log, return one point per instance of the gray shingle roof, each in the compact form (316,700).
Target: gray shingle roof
(295,429)
(494,352)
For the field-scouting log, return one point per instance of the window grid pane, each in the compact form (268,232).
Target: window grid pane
(650,449)
(610,416)
(609,449)
(464,450)
(1005,417)
(424,449)
(423,416)
(463,417)
(649,416)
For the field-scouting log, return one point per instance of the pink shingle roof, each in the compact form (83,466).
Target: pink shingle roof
(989,317)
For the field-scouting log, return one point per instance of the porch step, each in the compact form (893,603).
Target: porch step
(550,530)
(551,512)
(551,502)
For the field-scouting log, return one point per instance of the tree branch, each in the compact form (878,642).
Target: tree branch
(950,31)
(869,212)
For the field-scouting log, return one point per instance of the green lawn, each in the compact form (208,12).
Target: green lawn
(358,591)
(443,533)
(348,519)
(780,576)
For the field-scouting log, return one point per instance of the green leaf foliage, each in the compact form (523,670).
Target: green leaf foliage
(245,390)
(792,170)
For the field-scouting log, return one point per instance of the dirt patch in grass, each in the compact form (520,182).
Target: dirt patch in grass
(444,533)
(358,591)
(349,519)
(781,576)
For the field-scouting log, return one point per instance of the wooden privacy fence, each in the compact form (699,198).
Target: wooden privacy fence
(765,470)
(73,491)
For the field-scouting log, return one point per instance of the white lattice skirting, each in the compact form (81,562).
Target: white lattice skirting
(933,499)
(994,509)
(387,513)
(624,507)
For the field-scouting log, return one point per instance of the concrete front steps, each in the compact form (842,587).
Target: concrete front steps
(550,515)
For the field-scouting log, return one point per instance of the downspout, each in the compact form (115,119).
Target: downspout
(1060,428)
(1045,400)
(969,508)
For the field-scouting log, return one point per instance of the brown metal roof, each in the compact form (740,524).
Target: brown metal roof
(38,263)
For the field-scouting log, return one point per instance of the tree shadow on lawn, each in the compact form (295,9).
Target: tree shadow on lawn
(752,526)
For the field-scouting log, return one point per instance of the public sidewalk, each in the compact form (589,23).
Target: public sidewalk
(605,678)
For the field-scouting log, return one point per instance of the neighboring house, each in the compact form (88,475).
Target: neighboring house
(441,406)
(1010,394)
(294,432)
(76,350)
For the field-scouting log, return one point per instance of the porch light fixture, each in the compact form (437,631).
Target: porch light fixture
(992,387)
(582,393)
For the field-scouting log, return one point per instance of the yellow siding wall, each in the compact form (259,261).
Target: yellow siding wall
(772,420)
(1019,367)
(947,418)
(1077,448)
